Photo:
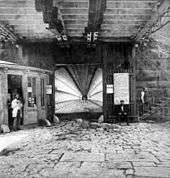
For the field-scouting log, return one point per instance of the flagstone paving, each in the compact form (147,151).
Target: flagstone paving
(69,151)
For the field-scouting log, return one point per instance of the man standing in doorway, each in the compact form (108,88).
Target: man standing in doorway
(16,112)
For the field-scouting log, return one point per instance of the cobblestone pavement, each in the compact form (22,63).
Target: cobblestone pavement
(67,150)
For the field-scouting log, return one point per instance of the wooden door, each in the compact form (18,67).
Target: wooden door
(42,114)
(31,102)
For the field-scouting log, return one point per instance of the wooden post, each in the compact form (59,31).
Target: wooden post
(134,80)
(104,84)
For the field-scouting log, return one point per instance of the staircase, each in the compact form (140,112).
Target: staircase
(160,111)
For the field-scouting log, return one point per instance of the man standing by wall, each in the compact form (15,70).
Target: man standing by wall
(16,112)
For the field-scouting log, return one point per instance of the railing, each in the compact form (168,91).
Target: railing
(156,102)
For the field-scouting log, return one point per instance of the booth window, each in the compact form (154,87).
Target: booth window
(42,92)
(31,90)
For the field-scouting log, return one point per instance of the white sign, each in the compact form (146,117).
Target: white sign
(29,89)
(109,88)
(49,89)
(121,88)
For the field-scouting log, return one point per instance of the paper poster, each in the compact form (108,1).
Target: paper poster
(109,88)
(49,89)
(121,88)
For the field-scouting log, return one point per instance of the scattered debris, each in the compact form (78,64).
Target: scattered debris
(107,126)
(47,123)
(115,149)
(85,124)
(8,151)
(56,120)
(4,128)
(101,119)
(44,122)
(79,121)
(94,125)
(150,121)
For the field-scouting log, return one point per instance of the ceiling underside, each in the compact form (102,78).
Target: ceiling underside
(121,18)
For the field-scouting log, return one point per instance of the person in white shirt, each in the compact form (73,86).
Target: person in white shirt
(142,97)
(16,112)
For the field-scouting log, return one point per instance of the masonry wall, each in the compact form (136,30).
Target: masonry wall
(29,54)
(153,73)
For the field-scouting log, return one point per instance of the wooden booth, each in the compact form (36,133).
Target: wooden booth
(34,87)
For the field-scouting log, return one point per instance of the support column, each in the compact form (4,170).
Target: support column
(3,97)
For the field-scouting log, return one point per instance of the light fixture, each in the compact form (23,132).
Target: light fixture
(64,37)
(58,37)
(92,36)
(95,36)
(89,37)
(136,45)
(47,26)
(17,46)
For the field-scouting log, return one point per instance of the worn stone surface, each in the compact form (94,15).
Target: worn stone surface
(68,150)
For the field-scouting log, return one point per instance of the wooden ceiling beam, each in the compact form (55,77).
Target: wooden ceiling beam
(96,12)
(51,16)
(80,39)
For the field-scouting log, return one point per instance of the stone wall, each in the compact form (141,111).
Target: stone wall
(29,54)
(45,55)
(153,73)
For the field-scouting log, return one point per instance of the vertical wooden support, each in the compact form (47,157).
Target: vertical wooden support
(108,99)
(104,83)
(1,103)
(24,91)
(132,94)
(134,81)
(51,99)
(38,97)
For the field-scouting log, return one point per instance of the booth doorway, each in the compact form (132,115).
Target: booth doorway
(14,87)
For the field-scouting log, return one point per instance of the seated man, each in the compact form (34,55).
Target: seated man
(122,112)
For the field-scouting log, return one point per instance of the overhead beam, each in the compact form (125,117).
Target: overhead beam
(81,39)
(102,39)
(51,15)
(96,13)
(57,3)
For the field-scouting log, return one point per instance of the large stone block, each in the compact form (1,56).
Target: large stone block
(89,157)
(156,172)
